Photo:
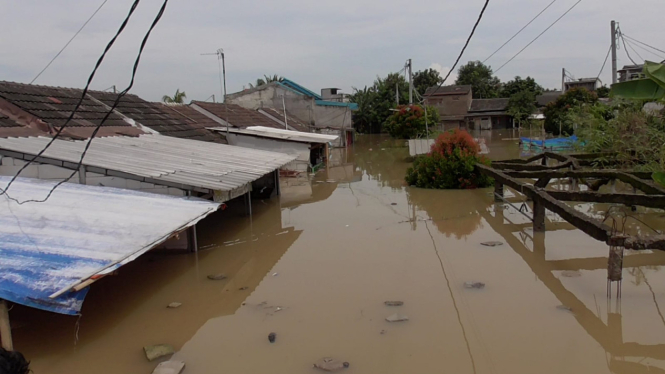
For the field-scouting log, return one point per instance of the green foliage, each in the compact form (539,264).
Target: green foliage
(518,85)
(521,106)
(409,121)
(265,80)
(636,138)
(422,80)
(450,165)
(556,112)
(603,92)
(375,102)
(659,177)
(481,78)
(177,98)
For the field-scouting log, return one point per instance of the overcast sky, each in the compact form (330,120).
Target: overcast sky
(318,44)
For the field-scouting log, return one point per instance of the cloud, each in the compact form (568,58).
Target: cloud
(443,71)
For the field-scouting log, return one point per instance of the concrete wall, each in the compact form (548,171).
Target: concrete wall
(301,149)
(10,166)
(451,105)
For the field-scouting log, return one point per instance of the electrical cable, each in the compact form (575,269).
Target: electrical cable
(625,48)
(604,62)
(70,40)
(522,29)
(83,95)
(634,50)
(108,113)
(538,37)
(468,40)
(634,44)
(645,44)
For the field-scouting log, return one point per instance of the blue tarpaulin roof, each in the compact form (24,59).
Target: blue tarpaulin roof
(80,233)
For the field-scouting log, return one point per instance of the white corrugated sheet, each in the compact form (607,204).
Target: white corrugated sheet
(287,135)
(212,166)
(80,232)
(420,146)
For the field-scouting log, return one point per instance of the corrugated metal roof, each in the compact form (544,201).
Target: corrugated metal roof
(287,135)
(80,233)
(182,162)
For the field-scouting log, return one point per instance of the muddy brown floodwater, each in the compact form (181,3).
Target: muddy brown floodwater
(316,265)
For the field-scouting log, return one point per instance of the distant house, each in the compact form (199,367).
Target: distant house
(452,102)
(334,94)
(631,72)
(590,84)
(546,98)
(326,115)
(488,114)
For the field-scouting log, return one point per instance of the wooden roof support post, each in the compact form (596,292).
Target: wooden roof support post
(538,216)
(5,327)
(498,191)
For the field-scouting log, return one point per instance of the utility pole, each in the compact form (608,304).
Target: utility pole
(614,51)
(397,93)
(563,80)
(222,70)
(410,82)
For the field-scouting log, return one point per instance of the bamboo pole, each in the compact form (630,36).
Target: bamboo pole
(5,327)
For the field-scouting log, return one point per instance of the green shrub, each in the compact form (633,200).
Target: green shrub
(556,112)
(408,121)
(450,165)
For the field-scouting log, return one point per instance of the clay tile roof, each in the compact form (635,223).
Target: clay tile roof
(488,105)
(447,90)
(237,116)
(547,97)
(292,121)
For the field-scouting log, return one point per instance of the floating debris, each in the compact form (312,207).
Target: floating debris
(271,337)
(153,352)
(571,274)
(169,367)
(174,305)
(330,364)
(216,277)
(491,244)
(397,318)
(393,204)
(275,274)
(383,332)
(474,285)
(564,307)
(394,303)
(243,288)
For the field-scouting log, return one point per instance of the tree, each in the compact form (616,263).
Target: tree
(265,80)
(424,79)
(521,106)
(177,98)
(410,121)
(603,92)
(480,77)
(375,102)
(518,84)
(556,112)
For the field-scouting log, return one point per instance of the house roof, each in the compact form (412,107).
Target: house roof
(236,115)
(53,105)
(278,116)
(163,160)
(448,90)
(80,233)
(295,86)
(488,105)
(632,67)
(196,121)
(584,80)
(281,134)
(547,97)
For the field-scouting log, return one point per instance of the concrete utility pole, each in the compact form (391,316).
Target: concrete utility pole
(563,80)
(410,82)
(614,51)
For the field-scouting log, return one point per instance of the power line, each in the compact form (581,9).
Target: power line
(604,62)
(108,113)
(634,50)
(538,37)
(83,94)
(637,41)
(522,29)
(70,40)
(634,44)
(468,40)
(626,48)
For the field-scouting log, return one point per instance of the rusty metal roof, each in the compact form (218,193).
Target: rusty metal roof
(448,90)
(488,105)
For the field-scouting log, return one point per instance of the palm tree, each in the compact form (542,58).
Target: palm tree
(178,98)
(265,80)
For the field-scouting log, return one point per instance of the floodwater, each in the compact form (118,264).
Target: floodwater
(316,265)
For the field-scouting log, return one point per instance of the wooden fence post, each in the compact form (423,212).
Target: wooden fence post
(5,327)
(538,216)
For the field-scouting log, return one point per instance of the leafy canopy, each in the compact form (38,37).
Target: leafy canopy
(481,78)
(177,98)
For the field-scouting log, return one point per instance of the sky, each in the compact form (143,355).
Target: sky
(343,44)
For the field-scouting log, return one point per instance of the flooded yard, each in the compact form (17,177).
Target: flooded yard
(315,266)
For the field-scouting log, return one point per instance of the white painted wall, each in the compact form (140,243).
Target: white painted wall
(292,148)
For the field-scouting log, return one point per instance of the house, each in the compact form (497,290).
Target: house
(452,102)
(591,84)
(631,72)
(334,94)
(310,149)
(325,116)
(547,97)
(488,114)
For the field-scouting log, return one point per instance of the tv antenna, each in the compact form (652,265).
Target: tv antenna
(222,70)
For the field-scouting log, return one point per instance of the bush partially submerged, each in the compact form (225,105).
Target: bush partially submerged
(408,121)
(450,165)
